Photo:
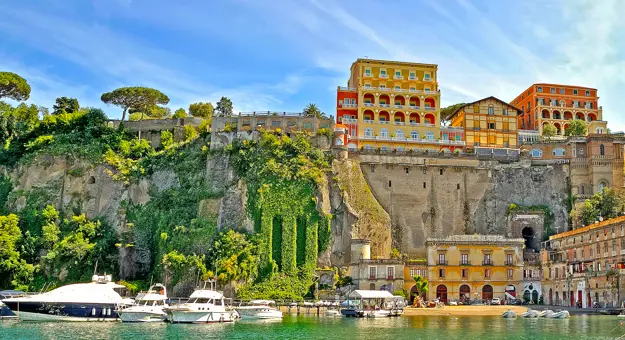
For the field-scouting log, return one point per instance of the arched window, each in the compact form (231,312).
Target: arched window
(536,153)
(559,152)
(384,132)
(430,135)
(385,149)
(414,134)
(400,149)
(599,130)
(602,185)
(368,132)
(399,134)
(602,150)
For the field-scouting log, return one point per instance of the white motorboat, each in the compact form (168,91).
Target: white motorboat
(559,315)
(332,313)
(509,314)
(530,314)
(260,309)
(205,305)
(545,313)
(378,313)
(95,301)
(148,306)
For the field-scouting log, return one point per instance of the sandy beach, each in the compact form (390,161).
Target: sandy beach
(465,310)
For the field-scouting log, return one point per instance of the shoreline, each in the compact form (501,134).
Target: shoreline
(464,310)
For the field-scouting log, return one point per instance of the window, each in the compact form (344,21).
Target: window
(367,72)
(441,259)
(413,272)
(587,93)
(371,167)
(367,85)
(491,126)
(413,89)
(414,134)
(429,135)
(457,186)
(487,260)
(575,92)
(602,185)
(412,75)
(397,73)
(373,272)
(561,91)
(441,273)
(509,259)
(540,89)
(559,152)
(389,184)
(353,101)
(491,110)
(476,109)
(346,100)
(505,112)
(390,273)
(384,132)
(368,132)
(601,150)
(536,153)
(464,259)
(382,86)
(383,72)
(487,273)
(399,134)
(426,76)
(424,185)
(510,273)
(553,90)
(397,88)
(465,273)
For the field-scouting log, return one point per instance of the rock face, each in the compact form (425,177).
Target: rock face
(430,198)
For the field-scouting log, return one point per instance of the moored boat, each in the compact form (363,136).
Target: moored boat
(530,314)
(559,315)
(205,305)
(332,312)
(545,313)
(260,309)
(95,301)
(509,314)
(148,306)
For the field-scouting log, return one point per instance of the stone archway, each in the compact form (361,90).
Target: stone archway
(441,293)
(465,293)
(487,293)
(531,241)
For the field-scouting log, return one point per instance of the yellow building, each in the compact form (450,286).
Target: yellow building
(390,105)
(475,267)
(412,268)
(488,123)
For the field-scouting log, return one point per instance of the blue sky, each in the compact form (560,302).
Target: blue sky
(281,55)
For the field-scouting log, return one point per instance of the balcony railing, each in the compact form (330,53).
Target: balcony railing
(413,78)
(371,277)
(429,125)
(464,263)
(441,262)
(368,104)
(413,140)
(350,120)
(427,108)
(509,263)
(349,105)
(427,79)
(414,124)
(487,262)
(400,123)
(398,77)
(367,74)
(368,121)
(390,277)
(345,88)
(415,107)
(381,75)
(370,88)
(384,122)
(399,106)
(384,105)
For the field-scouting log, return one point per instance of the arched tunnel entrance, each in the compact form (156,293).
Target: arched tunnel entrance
(531,240)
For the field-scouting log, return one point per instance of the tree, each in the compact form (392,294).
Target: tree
(14,87)
(234,257)
(576,127)
(311,110)
(167,139)
(140,98)
(549,130)
(448,111)
(180,113)
(224,107)
(421,286)
(65,105)
(14,271)
(201,110)
(605,204)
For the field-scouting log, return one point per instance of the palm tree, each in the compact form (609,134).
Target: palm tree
(312,110)
(421,285)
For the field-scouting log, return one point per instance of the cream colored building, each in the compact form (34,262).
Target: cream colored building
(374,274)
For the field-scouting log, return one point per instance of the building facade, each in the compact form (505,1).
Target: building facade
(374,274)
(488,123)
(585,265)
(475,267)
(541,104)
(412,268)
(391,105)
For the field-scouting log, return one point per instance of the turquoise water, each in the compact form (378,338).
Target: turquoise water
(310,327)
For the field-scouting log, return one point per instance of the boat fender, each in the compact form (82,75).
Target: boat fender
(93,311)
(221,318)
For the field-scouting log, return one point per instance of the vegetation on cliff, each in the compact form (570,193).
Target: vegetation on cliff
(605,204)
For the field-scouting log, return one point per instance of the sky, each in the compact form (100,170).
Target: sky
(280,55)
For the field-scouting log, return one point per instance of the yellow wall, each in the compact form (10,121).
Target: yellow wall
(489,130)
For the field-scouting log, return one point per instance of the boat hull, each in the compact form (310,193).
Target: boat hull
(142,316)
(271,314)
(58,311)
(509,315)
(200,317)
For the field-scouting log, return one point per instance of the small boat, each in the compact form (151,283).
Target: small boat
(530,314)
(205,305)
(332,313)
(621,315)
(559,315)
(509,314)
(260,309)
(545,313)
(352,311)
(95,301)
(148,306)
(378,313)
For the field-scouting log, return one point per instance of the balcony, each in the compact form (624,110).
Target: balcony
(369,88)
(464,263)
(350,121)
(509,263)
(397,106)
(441,262)
(344,88)
(413,78)
(428,108)
(383,75)
(428,79)
(398,77)
(349,106)
(368,121)
(487,263)
(384,122)
(371,277)
(390,277)
(384,105)
(414,124)
(429,125)
(415,107)
(368,104)
(366,74)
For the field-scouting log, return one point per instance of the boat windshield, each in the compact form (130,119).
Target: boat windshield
(153,302)
(206,300)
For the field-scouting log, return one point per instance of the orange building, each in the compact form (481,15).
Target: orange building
(543,103)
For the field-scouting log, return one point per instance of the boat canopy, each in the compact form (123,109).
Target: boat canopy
(371,294)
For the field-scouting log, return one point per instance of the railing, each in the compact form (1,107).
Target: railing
(372,88)
(384,122)
(509,263)
(400,123)
(464,263)
(427,108)
(428,79)
(350,120)
(487,262)
(368,121)
(366,74)
(399,106)
(415,107)
(429,125)
(413,78)
(398,77)
(384,105)
(400,90)
(368,104)
(383,76)
(349,105)
(414,124)
(441,263)
(345,88)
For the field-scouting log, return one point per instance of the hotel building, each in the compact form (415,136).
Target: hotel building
(374,274)
(585,265)
(543,103)
(390,105)
(475,267)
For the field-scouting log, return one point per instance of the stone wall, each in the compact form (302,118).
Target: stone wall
(441,197)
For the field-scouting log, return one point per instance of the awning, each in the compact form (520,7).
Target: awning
(371,294)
